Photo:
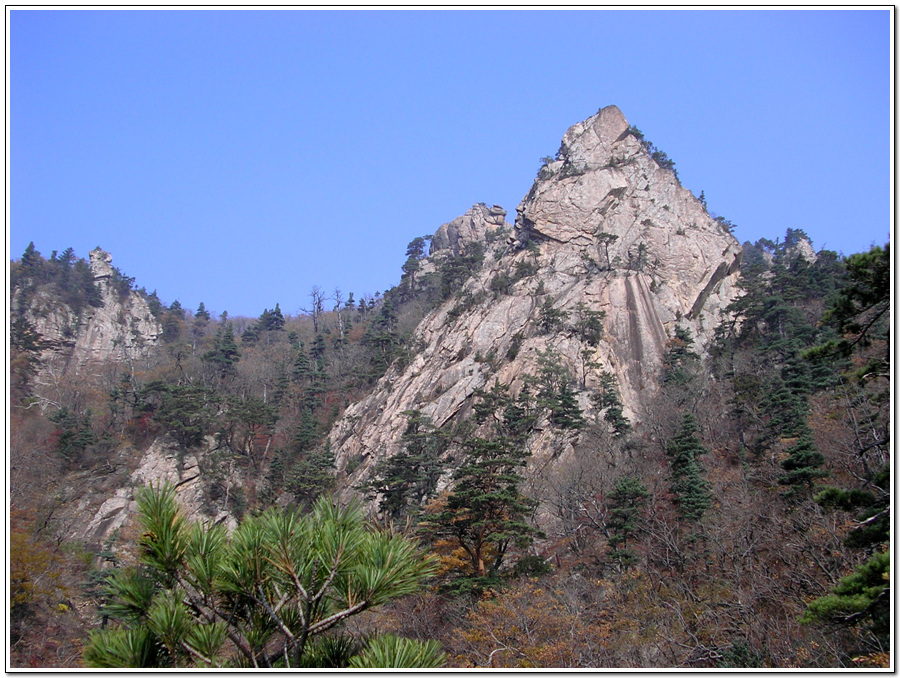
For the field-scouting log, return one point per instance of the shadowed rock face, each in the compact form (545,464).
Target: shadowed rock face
(607,228)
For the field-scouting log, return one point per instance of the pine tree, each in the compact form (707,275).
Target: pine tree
(555,392)
(302,368)
(486,513)
(263,596)
(626,502)
(186,411)
(803,464)
(566,412)
(691,490)
(607,398)
(312,476)
(680,361)
(860,314)
(407,479)
(225,353)
(307,434)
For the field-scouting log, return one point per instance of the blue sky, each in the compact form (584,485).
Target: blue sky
(240,157)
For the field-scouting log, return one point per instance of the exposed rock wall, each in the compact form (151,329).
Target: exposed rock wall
(160,463)
(471,227)
(606,227)
(123,328)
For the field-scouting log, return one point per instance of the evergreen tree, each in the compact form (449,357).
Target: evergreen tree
(486,513)
(259,597)
(302,371)
(250,335)
(803,464)
(384,340)
(75,433)
(566,413)
(551,319)
(225,353)
(519,416)
(406,480)
(680,361)
(245,420)
(783,410)
(605,240)
(312,476)
(32,262)
(691,490)
(861,597)
(200,324)
(607,398)
(271,321)
(589,324)
(282,385)
(186,411)
(317,355)
(307,434)
(555,391)
(626,502)
(455,270)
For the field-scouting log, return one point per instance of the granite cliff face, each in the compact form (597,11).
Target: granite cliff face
(453,237)
(122,328)
(603,229)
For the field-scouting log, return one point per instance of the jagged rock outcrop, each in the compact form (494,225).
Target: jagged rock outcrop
(805,249)
(605,229)
(471,227)
(122,328)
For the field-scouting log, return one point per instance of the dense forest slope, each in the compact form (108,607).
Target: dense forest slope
(624,440)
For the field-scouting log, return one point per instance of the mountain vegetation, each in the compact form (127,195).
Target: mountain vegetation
(762,542)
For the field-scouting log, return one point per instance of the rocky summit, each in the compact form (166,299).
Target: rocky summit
(604,233)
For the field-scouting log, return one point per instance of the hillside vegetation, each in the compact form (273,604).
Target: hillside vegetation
(746,526)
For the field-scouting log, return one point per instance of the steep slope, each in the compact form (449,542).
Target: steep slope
(603,230)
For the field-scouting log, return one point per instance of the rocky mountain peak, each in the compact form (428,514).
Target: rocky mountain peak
(605,234)
(592,142)
(101,268)
(101,264)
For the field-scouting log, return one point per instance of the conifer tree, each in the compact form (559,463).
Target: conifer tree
(607,398)
(261,597)
(691,490)
(626,502)
(555,392)
(302,368)
(803,464)
(680,360)
(225,353)
(407,479)
(486,513)
(201,313)
(566,412)
(312,476)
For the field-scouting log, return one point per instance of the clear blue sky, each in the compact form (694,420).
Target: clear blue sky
(240,157)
